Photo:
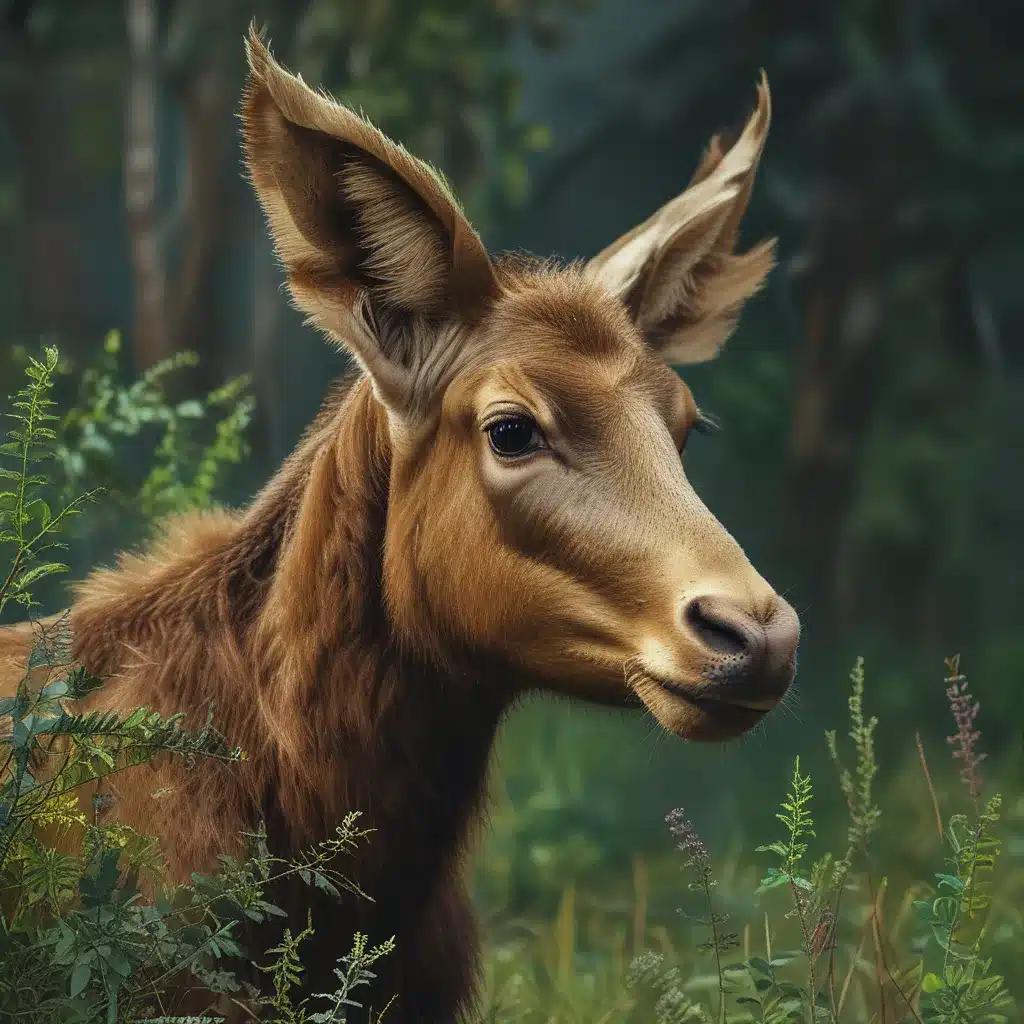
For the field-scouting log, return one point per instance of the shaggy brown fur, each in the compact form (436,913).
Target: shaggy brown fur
(365,624)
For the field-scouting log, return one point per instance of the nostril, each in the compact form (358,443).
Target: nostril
(717,630)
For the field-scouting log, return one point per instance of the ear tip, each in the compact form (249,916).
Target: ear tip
(267,80)
(256,52)
(763,114)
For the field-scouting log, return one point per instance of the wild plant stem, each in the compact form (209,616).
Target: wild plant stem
(27,437)
(714,942)
(880,966)
(931,788)
(840,890)
(802,918)
(876,903)
(9,581)
(832,980)
(849,973)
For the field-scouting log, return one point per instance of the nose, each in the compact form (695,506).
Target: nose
(751,658)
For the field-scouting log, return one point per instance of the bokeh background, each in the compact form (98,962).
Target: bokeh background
(872,398)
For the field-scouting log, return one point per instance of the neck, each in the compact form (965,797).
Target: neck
(353,720)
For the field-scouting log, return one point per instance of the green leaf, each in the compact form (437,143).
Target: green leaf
(97,888)
(135,718)
(58,688)
(119,963)
(190,409)
(37,572)
(786,956)
(772,880)
(754,1004)
(787,988)
(80,979)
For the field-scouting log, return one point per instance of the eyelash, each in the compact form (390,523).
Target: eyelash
(706,423)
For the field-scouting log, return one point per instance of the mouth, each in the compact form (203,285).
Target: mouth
(714,704)
(707,716)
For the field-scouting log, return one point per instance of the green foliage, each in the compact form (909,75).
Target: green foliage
(830,951)
(964,988)
(796,816)
(149,454)
(660,996)
(28,527)
(193,442)
(355,971)
(856,787)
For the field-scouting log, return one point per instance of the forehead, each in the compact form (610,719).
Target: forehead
(561,309)
(565,340)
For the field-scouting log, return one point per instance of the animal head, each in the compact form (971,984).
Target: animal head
(538,508)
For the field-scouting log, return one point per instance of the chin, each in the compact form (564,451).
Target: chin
(696,718)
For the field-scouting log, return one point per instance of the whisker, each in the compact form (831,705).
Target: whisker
(786,709)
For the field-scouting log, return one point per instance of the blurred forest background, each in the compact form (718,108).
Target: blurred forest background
(872,399)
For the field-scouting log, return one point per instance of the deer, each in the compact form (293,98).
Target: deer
(491,503)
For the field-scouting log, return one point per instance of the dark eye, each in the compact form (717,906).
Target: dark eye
(513,436)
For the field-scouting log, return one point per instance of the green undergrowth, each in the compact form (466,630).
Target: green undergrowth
(792,930)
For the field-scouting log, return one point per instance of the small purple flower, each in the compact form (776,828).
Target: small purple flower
(965,711)
(688,841)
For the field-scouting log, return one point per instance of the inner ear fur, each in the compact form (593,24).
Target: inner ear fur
(677,272)
(352,212)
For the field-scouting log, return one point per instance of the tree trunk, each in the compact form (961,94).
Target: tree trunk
(206,132)
(152,334)
(37,112)
(833,399)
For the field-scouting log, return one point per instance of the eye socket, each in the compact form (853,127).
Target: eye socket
(513,437)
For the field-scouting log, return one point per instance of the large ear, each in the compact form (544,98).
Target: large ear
(677,272)
(374,244)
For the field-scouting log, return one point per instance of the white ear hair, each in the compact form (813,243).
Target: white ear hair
(677,271)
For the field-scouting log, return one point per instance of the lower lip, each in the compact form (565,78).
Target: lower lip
(716,708)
